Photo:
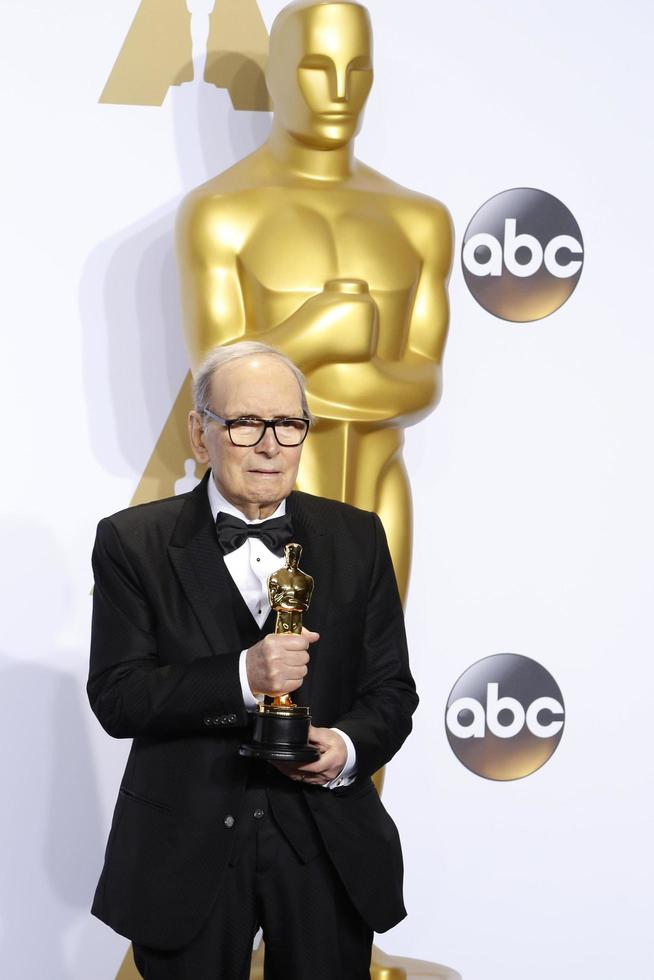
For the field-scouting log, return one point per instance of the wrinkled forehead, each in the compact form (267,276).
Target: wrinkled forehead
(258,385)
(340,31)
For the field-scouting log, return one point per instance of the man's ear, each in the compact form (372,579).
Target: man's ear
(196,437)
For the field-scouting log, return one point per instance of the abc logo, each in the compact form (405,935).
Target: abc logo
(522,254)
(504,717)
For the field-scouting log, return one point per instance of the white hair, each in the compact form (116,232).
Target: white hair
(220,356)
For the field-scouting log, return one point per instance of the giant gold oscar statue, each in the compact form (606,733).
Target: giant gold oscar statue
(303,247)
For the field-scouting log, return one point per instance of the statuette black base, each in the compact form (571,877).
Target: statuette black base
(280,735)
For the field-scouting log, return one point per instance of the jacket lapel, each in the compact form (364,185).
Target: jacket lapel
(198,563)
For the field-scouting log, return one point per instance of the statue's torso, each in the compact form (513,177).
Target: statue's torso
(297,240)
(290,589)
(261,242)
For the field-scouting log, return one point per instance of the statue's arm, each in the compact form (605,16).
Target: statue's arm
(413,381)
(327,322)
(212,300)
(431,234)
(273,588)
(210,236)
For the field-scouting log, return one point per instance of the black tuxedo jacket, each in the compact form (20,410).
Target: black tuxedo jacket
(164,671)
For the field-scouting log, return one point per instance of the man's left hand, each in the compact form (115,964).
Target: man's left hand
(333,756)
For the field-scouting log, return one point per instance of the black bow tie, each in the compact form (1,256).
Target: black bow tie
(232,532)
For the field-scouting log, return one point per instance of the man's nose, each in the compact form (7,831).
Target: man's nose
(268,444)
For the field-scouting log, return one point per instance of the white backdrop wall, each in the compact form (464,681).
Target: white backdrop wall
(532,482)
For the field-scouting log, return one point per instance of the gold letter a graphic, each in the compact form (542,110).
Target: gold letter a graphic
(158,53)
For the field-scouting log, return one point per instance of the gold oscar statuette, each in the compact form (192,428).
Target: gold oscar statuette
(281,729)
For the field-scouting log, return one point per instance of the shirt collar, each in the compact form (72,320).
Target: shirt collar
(218,503)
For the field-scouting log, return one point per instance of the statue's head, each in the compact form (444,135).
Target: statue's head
(319,70)
(292,552)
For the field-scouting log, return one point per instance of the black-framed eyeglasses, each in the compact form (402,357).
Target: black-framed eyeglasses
(250,430)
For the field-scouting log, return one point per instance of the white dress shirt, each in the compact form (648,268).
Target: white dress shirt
(250,565)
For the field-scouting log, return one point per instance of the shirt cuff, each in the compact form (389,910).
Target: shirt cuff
(249,699)
(348,773)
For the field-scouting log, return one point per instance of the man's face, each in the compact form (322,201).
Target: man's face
(255,479)
(322,73)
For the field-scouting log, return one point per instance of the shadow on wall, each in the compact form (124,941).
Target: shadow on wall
(50,823)
(134,357)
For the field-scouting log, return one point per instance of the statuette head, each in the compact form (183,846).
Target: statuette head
(292,554)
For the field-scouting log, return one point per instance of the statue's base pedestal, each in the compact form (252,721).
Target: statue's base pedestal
(279,753)
(383,967)
(280,734)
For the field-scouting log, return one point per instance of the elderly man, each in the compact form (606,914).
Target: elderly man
(206,846)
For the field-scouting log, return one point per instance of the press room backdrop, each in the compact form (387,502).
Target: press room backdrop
(532,481)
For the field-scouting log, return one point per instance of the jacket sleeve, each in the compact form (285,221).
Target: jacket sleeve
(380,717)
(131,692)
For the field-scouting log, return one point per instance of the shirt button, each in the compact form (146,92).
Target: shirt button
(229,821)
(258,814)
(258,559)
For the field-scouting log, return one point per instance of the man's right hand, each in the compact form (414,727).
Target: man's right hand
(277,664)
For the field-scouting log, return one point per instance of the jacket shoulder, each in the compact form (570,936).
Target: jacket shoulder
(144,526)
(156,512)
(342,522)
(324,509)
